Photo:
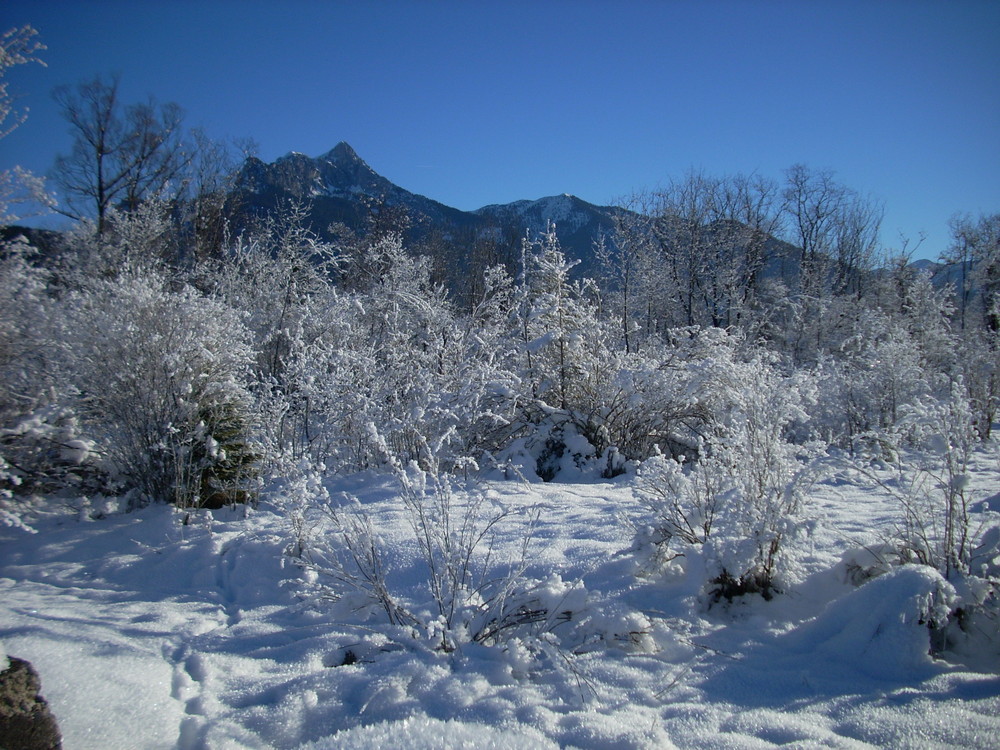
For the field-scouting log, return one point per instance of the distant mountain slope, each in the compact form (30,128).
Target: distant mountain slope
(339,186)
(578,223)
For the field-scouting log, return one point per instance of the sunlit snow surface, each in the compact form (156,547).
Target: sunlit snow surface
(149,633)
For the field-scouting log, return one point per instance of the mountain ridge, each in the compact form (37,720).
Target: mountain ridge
(339,186)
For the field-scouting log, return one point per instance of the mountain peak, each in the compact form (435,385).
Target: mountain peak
(337,184)
(342,153)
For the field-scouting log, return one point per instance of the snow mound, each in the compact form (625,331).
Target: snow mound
(883,627)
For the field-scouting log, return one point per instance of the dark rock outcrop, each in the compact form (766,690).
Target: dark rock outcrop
(26,723)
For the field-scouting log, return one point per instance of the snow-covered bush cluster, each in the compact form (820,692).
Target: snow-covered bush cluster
(942,525)
(737,505)
(714,373)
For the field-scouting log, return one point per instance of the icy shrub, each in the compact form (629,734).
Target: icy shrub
(940,525)
(159,387)
(465,594)
(859,393)
(11,510)
(738,505)
(683,499)
(388,350)
(627,407)
(46,451)
(40,440)
(640,402)
(980,367)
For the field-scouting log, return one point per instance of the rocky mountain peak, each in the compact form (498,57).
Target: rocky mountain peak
(342,154)
(337,184)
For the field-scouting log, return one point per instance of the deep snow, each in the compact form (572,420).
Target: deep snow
(149,632)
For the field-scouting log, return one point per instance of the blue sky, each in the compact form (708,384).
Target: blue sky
(474,103)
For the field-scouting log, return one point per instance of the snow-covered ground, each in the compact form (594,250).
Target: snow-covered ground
(149,632)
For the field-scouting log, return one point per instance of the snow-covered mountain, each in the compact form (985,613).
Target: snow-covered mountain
(578,223)
(339,186)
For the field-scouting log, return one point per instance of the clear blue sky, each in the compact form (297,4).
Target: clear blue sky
(487,102)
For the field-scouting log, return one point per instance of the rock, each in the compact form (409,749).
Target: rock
(26,723)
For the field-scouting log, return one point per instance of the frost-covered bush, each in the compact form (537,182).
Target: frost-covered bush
(159,384)
(630,406)
(390,350)
(461,591)
(40,441)
(875,374)
(564,360)
(24,322)
(941,526)
(938,528)
(979,367)
(434,378)
(683,499)
(659,398)
(47,450)
(737,505)
(554,322)
(279,276)
(465,594)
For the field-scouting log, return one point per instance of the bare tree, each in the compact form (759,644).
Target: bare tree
(633,263)
(837,232)
(625,262)
(856,243)
(17,47)
(686,208)
(975,249)
(208,196)
(813,200)
(120,156)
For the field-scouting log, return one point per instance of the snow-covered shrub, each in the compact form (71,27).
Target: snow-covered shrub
(886,625)
(47,450)
(752,550)
(937,528)
(738,504)
(24,319)
(40,441)
(654,399)
(940,526)
(279,276)
(565,361)
(630,406)
(466,595)
(684,500)
(434,378)
(11,508)
(866,383)
(553,321)
(389,351)
(159,379)
(980,371)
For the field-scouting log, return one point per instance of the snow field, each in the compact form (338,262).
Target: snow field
(152,633)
